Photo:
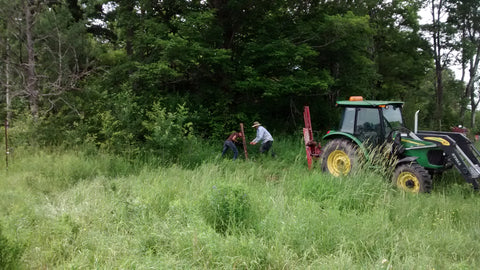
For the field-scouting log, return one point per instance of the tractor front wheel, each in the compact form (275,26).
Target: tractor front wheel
(412,178)
(338,157)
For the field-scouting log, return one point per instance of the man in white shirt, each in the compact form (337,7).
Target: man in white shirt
(263,136)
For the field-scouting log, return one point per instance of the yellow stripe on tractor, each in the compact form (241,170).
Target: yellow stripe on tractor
(437,139)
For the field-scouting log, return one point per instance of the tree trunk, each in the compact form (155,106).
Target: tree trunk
(472,119)
(127,11)
(437,50)
(32,90)
(439,95)
(471,85)
(466,94)
(7,80)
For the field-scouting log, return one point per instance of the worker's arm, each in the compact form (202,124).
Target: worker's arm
(260,132)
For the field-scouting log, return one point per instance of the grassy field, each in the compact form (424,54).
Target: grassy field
(73,209)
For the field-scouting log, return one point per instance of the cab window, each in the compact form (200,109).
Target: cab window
(348,120)
(393,118)
(368,128)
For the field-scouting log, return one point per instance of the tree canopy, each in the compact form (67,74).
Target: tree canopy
(110,71)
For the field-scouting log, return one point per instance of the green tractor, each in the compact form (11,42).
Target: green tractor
(367,124)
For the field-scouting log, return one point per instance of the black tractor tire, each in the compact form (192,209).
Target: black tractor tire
(339,157)
(412,177)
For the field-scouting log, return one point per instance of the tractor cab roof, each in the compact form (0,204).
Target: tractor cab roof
(358,101)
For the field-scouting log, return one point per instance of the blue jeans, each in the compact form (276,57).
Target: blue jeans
(266,146)
(230,145)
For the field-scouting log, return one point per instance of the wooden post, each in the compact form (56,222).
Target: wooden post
(244,142)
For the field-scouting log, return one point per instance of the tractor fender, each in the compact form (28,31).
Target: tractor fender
(338,135)
(405,160)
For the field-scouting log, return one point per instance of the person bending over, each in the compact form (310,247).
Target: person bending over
(230,144)
(263,136)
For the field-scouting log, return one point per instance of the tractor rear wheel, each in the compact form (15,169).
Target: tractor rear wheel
(339,157)
(412,178)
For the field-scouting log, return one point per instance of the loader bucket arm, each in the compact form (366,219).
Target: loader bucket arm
(461,152)
(312,148)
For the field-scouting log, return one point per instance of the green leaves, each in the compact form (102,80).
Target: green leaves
(168,133)
(280,68)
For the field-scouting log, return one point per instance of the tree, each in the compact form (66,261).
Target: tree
(465,16)
(46,53)
(30,10)
(442,38)
(401,54)
(12,67)
(299,53)
(6,55)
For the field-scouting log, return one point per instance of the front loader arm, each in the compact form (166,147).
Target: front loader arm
(459,149)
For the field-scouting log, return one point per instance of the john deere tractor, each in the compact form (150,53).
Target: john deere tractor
(369,124)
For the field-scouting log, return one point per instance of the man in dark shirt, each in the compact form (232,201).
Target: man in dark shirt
(230,144)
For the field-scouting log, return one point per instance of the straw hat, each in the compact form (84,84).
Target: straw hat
(256,124)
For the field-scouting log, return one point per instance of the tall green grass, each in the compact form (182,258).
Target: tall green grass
(68,209)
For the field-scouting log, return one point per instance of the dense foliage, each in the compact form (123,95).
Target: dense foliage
(120,73)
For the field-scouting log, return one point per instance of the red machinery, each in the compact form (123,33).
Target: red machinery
(311,147)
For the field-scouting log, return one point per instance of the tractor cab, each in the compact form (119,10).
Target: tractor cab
(371,122)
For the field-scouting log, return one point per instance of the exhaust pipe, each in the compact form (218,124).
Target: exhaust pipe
(415,128)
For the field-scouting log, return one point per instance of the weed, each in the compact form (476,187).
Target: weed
(10,253)
(227,208)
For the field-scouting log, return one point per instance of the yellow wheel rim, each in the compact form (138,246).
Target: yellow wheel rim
(338,163)
(408,182)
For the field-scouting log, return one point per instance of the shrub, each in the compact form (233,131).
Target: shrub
(168,133)
(120,126)
(22,131)
(227,208)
